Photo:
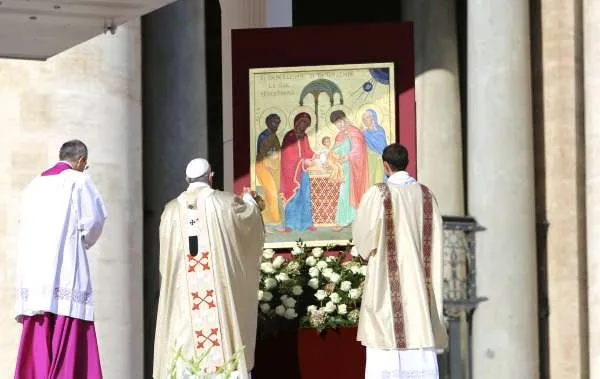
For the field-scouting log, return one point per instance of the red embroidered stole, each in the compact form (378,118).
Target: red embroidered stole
(204,312)
(392,258)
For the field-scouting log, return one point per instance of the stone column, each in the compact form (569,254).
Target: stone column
(501,188)
(439,141)
(591,35)
(175,125)
(560,121)
(279,13)
(90,92)
(235,14)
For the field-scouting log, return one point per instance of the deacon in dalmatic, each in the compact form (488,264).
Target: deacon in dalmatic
(62,216)
(210,247)
(398,228)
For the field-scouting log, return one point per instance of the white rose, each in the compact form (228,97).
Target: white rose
(268,253)
(320,295)
(342,309)
(321,265)
(355,269)
(330,259)
(345,286)
(330,307)
(297,250)
(311,308)
(280,310)
(328,272)
(355,293)
(317,252)
(335,297)
(297,290)
(313,283)
(354,251)
(267,296)
(260,294)
(311,261)
(313,272)
(289,302)
(363,270)
(265,307)
(335,277)
(282,277)
(267,267)
(278,261)
(290,314)
(270,283)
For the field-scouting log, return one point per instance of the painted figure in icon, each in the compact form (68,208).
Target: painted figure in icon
(268,151)
(350,146)
(376,141)
(332,162)
(296,158)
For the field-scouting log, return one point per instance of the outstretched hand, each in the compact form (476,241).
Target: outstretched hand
(249,191)
(257,198)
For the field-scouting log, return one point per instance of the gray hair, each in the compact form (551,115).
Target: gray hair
(73,150)
(201,179)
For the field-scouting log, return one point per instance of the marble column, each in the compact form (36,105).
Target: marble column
(591,38)
(90,92)
(235,14)
(560,120)
(439,140)
(501,188)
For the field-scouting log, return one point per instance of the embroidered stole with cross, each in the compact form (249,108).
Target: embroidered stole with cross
(392,258)
(204,311)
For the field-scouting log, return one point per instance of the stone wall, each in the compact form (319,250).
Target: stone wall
(90,92)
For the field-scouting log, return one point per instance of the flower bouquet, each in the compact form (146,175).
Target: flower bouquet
(336,280)
(312,288)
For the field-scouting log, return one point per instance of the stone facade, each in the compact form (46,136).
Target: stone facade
(91,92)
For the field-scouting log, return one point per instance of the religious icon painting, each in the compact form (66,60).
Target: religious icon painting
(316,138)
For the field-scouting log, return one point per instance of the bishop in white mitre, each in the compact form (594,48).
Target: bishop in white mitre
(210,247)
(398,228)
(62,216)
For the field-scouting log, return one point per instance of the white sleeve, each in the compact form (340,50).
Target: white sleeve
(92,213)
(248,199)
(368,223)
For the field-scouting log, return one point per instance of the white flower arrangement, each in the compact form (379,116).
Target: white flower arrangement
(320,288)
(281,288)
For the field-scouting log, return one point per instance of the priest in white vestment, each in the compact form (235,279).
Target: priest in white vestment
(62,216)
(398,228)
(210,247)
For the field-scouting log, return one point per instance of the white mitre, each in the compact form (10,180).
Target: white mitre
(197,168)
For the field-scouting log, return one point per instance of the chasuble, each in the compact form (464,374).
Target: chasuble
(398,228)
(210,247)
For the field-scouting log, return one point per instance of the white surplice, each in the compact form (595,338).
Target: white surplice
(61,217)
(401,321)
(208,302)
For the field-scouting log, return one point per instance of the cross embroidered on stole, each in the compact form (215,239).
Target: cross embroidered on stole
(204,311)
(393,267)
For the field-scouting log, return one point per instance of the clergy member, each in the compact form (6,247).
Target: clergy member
(62,216)
(210,247)
(399,230)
